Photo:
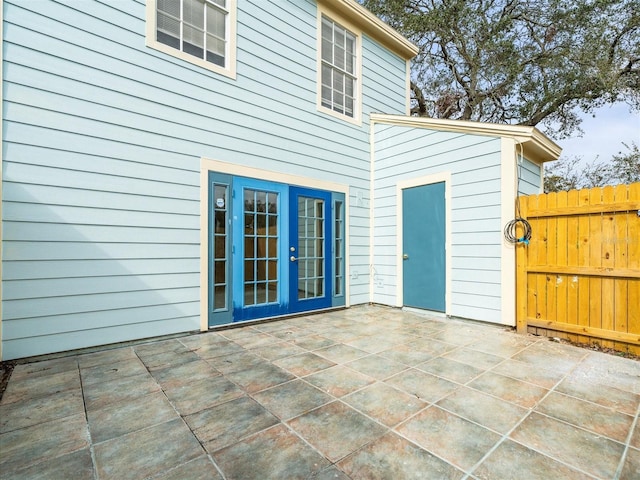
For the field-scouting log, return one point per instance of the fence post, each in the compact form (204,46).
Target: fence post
(521,274)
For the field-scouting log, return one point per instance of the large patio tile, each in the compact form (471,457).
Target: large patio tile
(201,468)
(129,416)
(502,344)
(543,377)
(424,386)
(291,332)
(16,415)
(509,389)
(602,394)
(292,399)
(77,465)
(201,394)
(384,403)
(42,442)
(512,460)
(450,369)
(256,340)
(341,353)
(260,377)
(193,342)
(29,387)
(474,358)
(278,350)
(458,441)
(336,430)
(488,411)
(45,368)
(171,358)
(112,371)
(377,366)
(227,423)
(375,343)
(207,351)
(239,332)
(339,380)
(578,448)
(589,416)
(393,457)
(460,334)
(431,346)
(330,473)
(106,357)
(147,350)
(406,355)
(313,342)
(609,370)
(146,452)
(635,439)
(275,453)
(304,364)
(236,362)
(184,374)
(99,395)
(631,465)
(565,357)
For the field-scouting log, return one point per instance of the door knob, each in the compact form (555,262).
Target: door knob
(292,258)
(405,257)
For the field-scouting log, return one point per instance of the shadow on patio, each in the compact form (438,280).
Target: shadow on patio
(363,393)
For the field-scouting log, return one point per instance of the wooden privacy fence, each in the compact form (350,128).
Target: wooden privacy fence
(579,276)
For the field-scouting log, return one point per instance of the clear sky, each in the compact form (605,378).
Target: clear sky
(604,134)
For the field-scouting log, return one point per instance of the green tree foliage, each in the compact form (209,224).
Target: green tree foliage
(528,62)
(572,173)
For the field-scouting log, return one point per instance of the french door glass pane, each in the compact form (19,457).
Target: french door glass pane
(220,233)
(311,218)
(260,247)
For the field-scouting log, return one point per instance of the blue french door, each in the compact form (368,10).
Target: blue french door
(272,248)
(310,249)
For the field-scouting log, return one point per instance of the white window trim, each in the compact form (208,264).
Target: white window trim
(230,55)
(344,23)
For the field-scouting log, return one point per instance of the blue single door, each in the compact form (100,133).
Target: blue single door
(423,233)
(309,256)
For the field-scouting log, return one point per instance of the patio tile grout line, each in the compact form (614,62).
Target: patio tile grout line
(627,444)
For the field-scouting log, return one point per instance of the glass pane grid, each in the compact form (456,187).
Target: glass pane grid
(195,27)
(220,236)
(261,247)
(311,214)
(338,250)
(338,68)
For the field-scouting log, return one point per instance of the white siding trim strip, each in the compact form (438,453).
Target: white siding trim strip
(416,182)
(508,167)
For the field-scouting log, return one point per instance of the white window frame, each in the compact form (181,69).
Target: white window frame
(229,69)
(353,30)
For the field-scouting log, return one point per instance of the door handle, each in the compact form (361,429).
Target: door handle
(293,259)
(405,257)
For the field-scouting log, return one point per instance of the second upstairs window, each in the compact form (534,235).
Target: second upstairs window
(195,27)
(339,69)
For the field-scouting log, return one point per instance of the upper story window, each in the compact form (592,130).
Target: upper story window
(199,31)
(339,69)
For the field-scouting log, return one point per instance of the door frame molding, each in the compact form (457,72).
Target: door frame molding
(207,165)
(419,182)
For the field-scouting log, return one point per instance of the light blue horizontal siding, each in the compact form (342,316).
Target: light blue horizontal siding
(403,153)
(33,269)
(32,345)
(101,160)
(529,174)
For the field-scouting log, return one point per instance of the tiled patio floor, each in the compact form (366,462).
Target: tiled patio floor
(364,393)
